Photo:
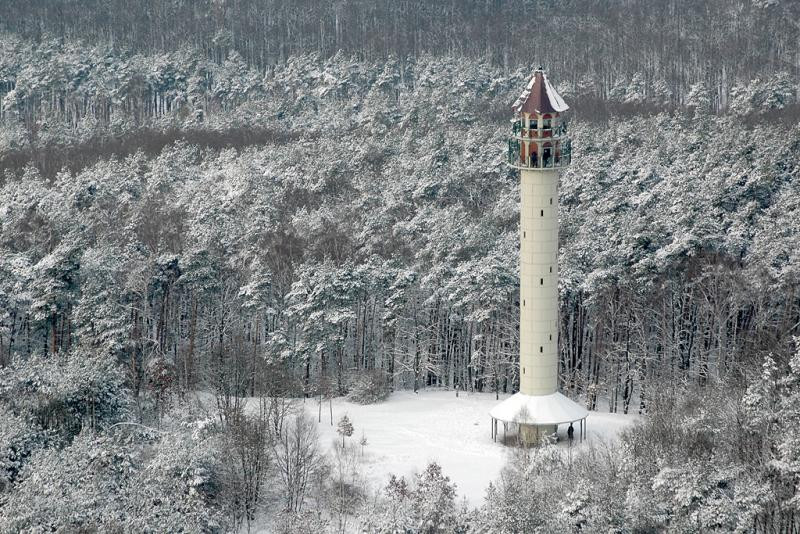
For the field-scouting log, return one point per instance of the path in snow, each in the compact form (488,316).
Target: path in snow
(409,430)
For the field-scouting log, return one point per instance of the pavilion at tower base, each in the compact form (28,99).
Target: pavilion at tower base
(538,415)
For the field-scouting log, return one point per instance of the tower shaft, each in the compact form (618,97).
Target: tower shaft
(538,282)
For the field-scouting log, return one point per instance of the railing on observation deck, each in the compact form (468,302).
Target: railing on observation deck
(556,156)
(554,133)
(556,161)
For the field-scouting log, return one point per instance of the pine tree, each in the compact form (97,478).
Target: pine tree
(434,500)
(344,428)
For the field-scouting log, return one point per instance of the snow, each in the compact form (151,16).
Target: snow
(409,430)
(521,99)
(539,409)
(524,96)
(555,99)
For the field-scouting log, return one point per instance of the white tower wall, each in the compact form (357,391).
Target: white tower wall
(539,282)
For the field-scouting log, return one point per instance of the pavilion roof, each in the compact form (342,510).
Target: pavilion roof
(550,409)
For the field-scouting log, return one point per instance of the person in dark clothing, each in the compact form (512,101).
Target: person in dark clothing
(570,432)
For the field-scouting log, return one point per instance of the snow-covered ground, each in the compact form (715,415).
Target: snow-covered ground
(409,430)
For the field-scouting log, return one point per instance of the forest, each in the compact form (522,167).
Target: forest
(307,200)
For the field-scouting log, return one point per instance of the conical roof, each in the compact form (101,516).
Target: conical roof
(539,97)
(550,409)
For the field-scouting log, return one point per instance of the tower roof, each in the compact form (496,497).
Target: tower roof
(539,96)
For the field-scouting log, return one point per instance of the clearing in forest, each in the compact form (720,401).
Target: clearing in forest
(408,430)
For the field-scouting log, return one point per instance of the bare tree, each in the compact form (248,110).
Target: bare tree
(346,489)
(297,459)
(247,465)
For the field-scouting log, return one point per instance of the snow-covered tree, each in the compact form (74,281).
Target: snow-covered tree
(344,428)
(433,500)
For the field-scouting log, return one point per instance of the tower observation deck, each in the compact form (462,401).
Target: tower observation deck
(539,148)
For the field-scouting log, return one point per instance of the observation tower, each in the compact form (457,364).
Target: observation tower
(539,148)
